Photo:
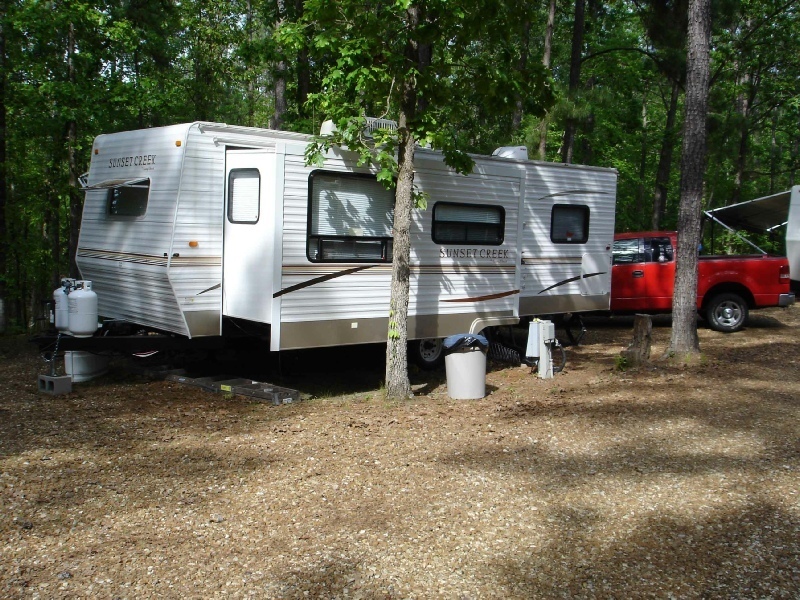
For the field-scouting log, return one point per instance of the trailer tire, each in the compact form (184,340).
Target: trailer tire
(427,354)
(726,312)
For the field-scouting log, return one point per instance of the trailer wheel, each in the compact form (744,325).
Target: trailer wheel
(427,354)
(726,312)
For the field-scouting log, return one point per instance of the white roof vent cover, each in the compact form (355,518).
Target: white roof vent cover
(372,124)
(518,152)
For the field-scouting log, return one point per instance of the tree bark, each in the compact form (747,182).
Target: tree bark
(279,85)
(3,180)
(743,103)
(516,117)
(684,343)
(546,58)
(638,352)
(303,67)
(75,195)
(665,161)
(567,146)
(397,382)
(640,189)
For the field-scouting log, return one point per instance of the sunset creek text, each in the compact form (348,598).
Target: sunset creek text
(137,161)
(495,253)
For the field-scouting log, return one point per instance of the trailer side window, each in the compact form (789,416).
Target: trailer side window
(349,218)
(130,199)
(569,224)
(244,193)
(468,224)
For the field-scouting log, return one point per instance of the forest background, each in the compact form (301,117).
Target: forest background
(71,70)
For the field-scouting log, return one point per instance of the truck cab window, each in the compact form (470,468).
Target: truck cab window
(659,250)
(627,251)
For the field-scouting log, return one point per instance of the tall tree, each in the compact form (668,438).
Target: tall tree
(576,57)
(423,62)
(546,60)
(3,182)
(684,342)
(279,77)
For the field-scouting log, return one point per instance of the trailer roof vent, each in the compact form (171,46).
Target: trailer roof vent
(327,128)
(518,152)
(372,124)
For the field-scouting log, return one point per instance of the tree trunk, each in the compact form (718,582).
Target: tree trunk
(397,383)
(3,181)
(546,57)
(251,87)
(75,195)
(279,85)
(303,67)
(640,189)
(774,151)
(638,351)
(665,161)
(516,117)
(684,343)
(743,108)
(567,146)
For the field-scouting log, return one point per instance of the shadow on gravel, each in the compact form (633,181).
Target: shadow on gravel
(745,552)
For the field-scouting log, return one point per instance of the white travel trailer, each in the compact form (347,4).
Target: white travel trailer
(768,215)
(189,227)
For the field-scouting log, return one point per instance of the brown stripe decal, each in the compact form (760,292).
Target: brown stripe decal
(570,280)
(317,280)
(211,289)
(482,298)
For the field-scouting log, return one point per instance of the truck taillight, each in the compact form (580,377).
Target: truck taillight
(783,273)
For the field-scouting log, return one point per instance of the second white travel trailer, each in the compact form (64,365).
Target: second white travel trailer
(189,227)
(769,214)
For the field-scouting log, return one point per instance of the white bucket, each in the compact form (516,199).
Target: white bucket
(83,366)
(466,374)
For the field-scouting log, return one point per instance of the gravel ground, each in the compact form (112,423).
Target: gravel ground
(662,482)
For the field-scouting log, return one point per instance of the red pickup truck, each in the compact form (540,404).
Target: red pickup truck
(728,287)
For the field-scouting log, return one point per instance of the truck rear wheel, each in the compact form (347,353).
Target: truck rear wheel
(726,312)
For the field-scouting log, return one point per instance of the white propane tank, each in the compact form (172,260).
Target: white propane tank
(61,305)
(82,310)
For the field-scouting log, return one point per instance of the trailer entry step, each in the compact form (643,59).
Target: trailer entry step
(240,387)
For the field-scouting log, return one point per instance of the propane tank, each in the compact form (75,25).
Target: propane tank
(82,303)
(61,306)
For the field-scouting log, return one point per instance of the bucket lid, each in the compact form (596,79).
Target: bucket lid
(462,341)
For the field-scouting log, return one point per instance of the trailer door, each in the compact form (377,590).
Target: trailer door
(249,234)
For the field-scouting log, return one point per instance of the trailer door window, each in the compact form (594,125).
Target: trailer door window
(244,193)
(129,199)
(569,224)
(349,218)
(468,224)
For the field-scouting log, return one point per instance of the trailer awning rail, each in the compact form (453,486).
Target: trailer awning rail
(118,183)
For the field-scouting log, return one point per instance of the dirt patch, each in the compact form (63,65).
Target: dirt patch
(661,482)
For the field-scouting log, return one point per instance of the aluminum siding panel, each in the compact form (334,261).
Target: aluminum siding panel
(546,264)
(196,273)
(125,257)
(438,285)
(359,295)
